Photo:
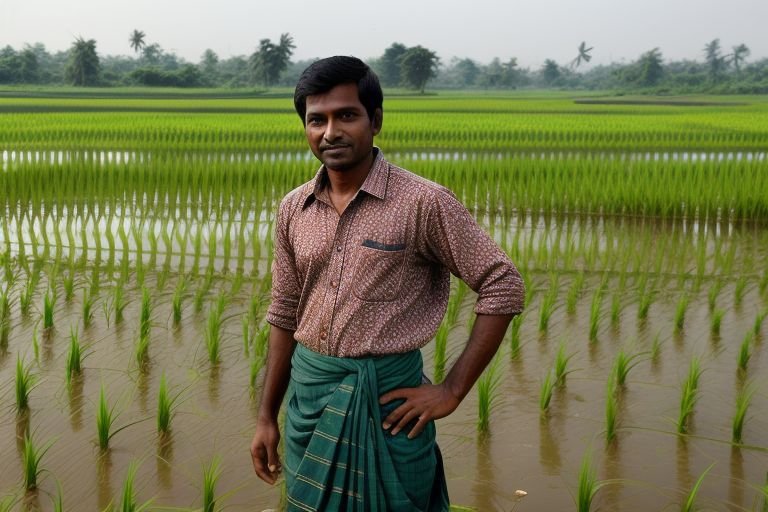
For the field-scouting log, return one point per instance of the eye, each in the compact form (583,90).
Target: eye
(314,121)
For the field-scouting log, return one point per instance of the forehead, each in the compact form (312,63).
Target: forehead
(343,96)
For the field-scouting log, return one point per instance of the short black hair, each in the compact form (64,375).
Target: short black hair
(325,74)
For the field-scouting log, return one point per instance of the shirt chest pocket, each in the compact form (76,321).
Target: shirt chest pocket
(379,271)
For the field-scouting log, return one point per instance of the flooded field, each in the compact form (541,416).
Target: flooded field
(135,257)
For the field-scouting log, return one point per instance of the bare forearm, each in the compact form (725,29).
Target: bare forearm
(484,341)
(278,372)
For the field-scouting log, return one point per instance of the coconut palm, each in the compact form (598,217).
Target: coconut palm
(137,40)
(740,53)
(583,55)
(83,65)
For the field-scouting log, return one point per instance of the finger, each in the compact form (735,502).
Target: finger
(393,395)
(259,456)
(419,426)
(407,417)
(273,459)
(394,416)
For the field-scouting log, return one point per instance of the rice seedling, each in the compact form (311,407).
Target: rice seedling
(611,408)
(514,336)
(594,315)
(589,485)
(488,394)
(166,405)
(715,320)
(25,382)
(105,420)
(759,322)
(213,334)
(31,456)
(141,351)
(548,304)
(689,505)
(49,301)
(745,352)
(146,314)
(574,293)
(561,365)
(256,364)
(615,309)
(739,289)
(74,356)
(714,291)
(35,344)
(211,474)
(440,357)
(26,295)
(680,310)
(69,284)
(689,395)
(547,388)
(178,297)
(743,399)
(623,364)
(87,307)
(119,302)
(128,501)
(656,348)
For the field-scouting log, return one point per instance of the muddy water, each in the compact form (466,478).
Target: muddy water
(647,467)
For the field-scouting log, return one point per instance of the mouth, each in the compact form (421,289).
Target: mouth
(334,147)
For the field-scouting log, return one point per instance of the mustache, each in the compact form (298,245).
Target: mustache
(335,145)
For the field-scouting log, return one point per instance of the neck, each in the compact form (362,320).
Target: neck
(349,181)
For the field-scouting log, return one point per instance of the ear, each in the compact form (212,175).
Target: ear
(377,121)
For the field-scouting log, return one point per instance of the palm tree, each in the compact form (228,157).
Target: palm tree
(137,40)
(583,55)
(715,60)
(83,65)
(740,53)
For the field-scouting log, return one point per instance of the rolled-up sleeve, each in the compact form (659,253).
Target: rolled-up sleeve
(458,242)
(286,291)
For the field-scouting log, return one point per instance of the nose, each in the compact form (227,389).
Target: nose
(332,130)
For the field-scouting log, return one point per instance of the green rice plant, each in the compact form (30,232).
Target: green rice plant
(574,292)
(611,408)
(488,394)
(561,365)
(36,344)
(49,300)
(245,324)
(105,420)
(739,289)
(74,356)
(689,395)
(743,399)
(256,364)
(26,295)
(623,364)
(146,314)
(594,315)
(31,456)
(128,496)
(118,300)
(680,310)
(689,505)
(656,348)
(548,303)
(440,357)
(211,474)
(178,297)
(615,309)
(141,351)
(213,334)
(514,336)
(714,291)
(25,382)
(715,321)
(547,388)
(759,322)
(589,485)
(88,300)
(745,352)
(69,284)
(166,406)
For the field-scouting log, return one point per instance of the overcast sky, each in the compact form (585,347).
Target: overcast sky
(531,30)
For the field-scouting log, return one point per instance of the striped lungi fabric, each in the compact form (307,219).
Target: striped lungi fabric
(338,457)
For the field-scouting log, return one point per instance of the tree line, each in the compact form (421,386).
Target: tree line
(721,70)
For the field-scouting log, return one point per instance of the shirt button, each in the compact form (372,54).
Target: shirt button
(333,284)
(323,335)
(338,249)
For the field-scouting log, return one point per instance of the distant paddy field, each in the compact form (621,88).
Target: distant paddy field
(136,234)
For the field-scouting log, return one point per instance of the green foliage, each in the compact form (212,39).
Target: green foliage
(689,395)
(25,381)
(83,66)
(31,456)
(417,66)
(547,388)
(211,474)
(588,485)
(689,505)
(743,399)
(611,408)
(74,356)
(745,352)
(488,394)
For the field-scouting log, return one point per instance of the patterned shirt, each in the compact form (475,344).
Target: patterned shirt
(375,279)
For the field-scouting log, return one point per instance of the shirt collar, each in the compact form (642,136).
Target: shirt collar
(375,183)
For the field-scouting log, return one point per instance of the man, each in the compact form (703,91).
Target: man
(363,256)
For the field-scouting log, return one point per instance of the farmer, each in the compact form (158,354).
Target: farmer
(363,257)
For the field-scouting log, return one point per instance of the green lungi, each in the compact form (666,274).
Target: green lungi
(338,457)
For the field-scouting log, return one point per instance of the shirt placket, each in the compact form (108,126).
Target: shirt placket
(339,255)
